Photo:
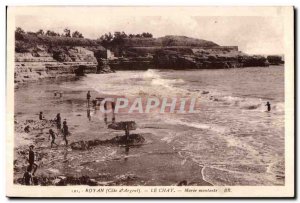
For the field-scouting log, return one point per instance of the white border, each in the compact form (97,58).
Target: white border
(91,2)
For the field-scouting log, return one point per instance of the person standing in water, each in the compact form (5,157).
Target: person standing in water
(88,97)
(31,158)
(269,106)
(65,122)
(52,135)
(58,121)
(41,117)
(89,114)
(65,132)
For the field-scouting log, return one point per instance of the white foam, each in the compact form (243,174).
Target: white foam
(139,83)
(212,127)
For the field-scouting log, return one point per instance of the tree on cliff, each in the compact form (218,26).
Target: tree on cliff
(77,34)
(19,33)
(51,33)
(67,32)
(31,33)
(19,30)
(40,32)
(118,39)
(275,59)
(143,35)
(106,39)
(146,35)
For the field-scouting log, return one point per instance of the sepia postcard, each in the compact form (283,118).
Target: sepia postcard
(173,102)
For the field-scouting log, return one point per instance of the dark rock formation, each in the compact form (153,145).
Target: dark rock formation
(101,57)
(275,60)
(133,139)
(126,179)
(123,125)
(132,63)
(103,66)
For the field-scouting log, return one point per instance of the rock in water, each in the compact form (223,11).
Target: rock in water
(131,125)
(133,139)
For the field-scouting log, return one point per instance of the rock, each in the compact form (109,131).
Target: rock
(90,143)
(92,182)
(97,142)
(182,183)
(131,125)
(57,181)
(85,145)
(62,177)
(105,183)
(103,66)
(77,145)
(205,92)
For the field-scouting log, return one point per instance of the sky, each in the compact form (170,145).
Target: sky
(252,34)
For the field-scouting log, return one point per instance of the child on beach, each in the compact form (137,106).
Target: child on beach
(52,134)
(41,117)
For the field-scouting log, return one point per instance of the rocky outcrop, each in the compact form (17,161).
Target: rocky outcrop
(275,60)
(104,67)
(173,56)
(45,62)
(103,64)
(101,180)
(168,59)
(132,63)
(133,139)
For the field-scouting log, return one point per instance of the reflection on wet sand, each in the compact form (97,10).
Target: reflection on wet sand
(88,111)
(126,152)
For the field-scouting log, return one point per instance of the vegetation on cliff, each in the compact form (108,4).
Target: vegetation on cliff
(119,41)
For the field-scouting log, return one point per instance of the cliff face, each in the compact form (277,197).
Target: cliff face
(180,52)
(207,60)
(185,58)
(45,61)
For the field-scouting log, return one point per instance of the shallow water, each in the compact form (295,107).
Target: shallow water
(231,140)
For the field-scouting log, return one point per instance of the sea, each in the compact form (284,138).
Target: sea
(231,138)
